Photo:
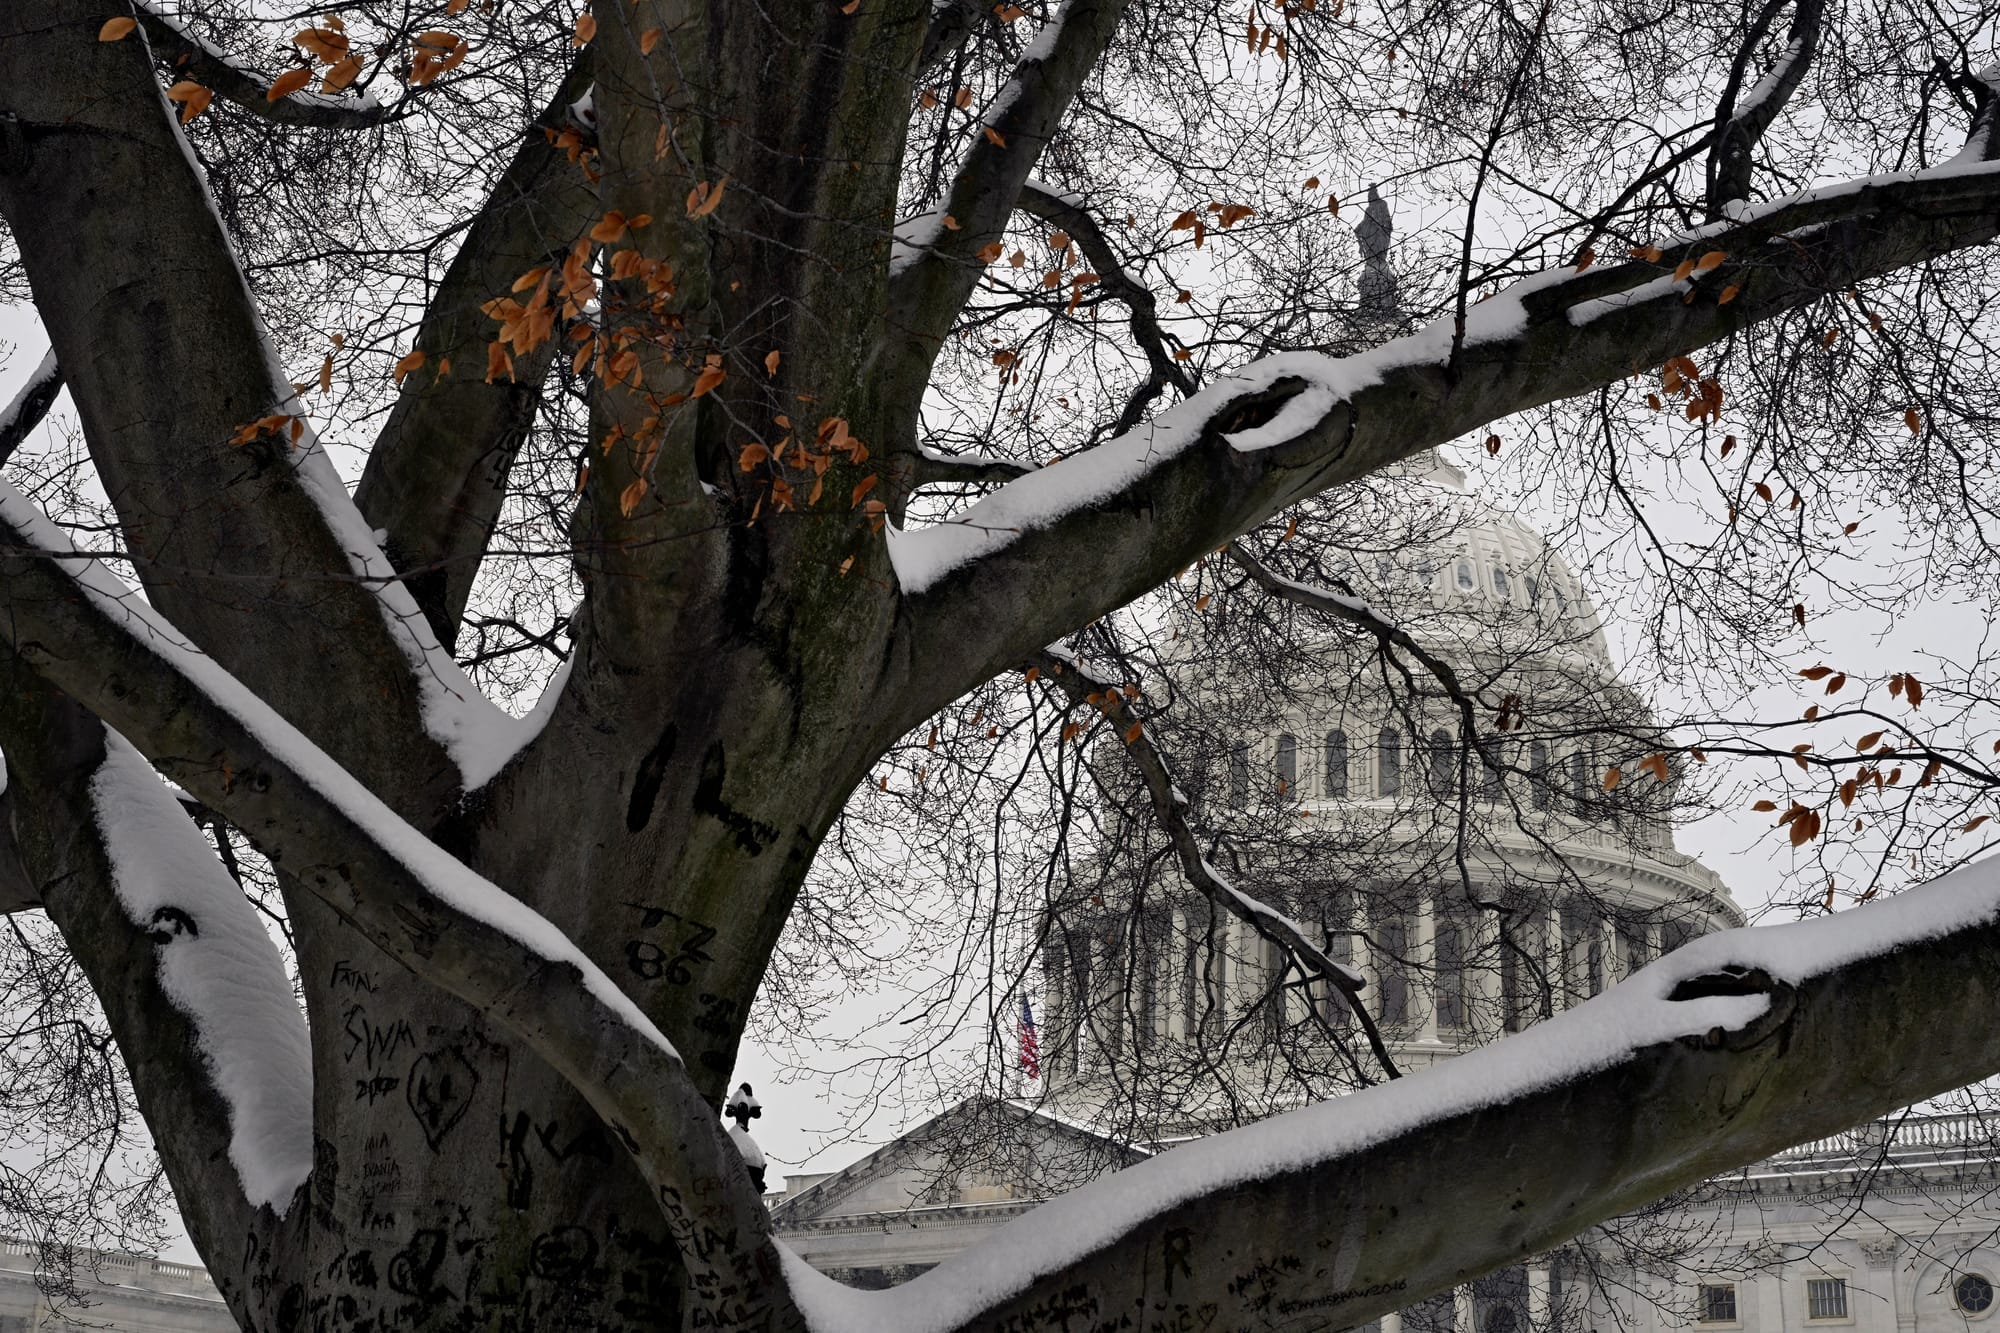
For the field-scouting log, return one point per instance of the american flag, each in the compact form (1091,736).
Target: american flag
(1031,1050)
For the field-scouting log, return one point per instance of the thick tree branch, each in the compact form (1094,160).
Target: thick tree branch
(20,417)
(935,264)
(54,748)
(241,532)
(212,69)
(1120,285)
(1732,1048)
(74,625)
(1145,504)
(437,475)
(1739,125)
(1075,678)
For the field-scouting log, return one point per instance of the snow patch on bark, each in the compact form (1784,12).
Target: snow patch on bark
(443,874)
(218,966)
(1574,1044)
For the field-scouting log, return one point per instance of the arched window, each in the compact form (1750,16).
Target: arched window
(1462,574)
(1336,764)
(1579,782)
(1389,763)
(1441,760)
(1288,764)
(1239,776)
(1502,588)
(1534,588)
(1538,773)
(1493,775)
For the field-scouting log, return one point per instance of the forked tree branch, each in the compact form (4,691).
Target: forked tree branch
(936,262)
(420,905)
(1120,285)
(1740,124)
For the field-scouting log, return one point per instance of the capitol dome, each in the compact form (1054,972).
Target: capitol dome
(1479,877)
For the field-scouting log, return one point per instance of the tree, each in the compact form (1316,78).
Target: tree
(527,949)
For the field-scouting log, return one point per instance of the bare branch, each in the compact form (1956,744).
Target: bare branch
(936,263)
(20,417)
(1120,285)
(438,473)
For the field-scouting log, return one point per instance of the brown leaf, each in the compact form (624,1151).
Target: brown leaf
(586,28)
(1869,742)
(408,363)
(771,359)
(1913,421)
(287,83)
(341,75)
(609,230)
(649,39)
(1728,295)
(1612,777)
(711,375)
(194,98)
(704,198)
(116,29)
(861,488)
(326,374)
(993,136)
(629,498)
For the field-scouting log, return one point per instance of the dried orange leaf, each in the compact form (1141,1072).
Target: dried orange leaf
(993,136)
(629,498)
(711,375)
(610,229)
(116,29)
(649,39)
(1713,259)
(704,198)
(861,488)
(326,374)
(586,28)
(194,98)
(1728,295)
(771,359)
(409,363)
(341,75)
(287,83)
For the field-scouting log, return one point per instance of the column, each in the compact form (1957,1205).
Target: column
(1489,1017)
(1423,950)
(1538,1297)
(1552,961)
(1364,960)
(1175,978)
(1462,1320)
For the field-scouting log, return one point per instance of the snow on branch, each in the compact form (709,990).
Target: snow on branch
(218,966)
(1740,122)
(1082,684)
(79,627)
(1723,1052)
(933,263)
(250,90)
(19,418)
(1000,578)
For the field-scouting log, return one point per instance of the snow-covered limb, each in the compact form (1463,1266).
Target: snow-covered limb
(1723,1052)
(1083,685)
(415,901)
(218,966)
(1009,573)
(19,418)
(1741,121)
(937,266)
(247,88)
